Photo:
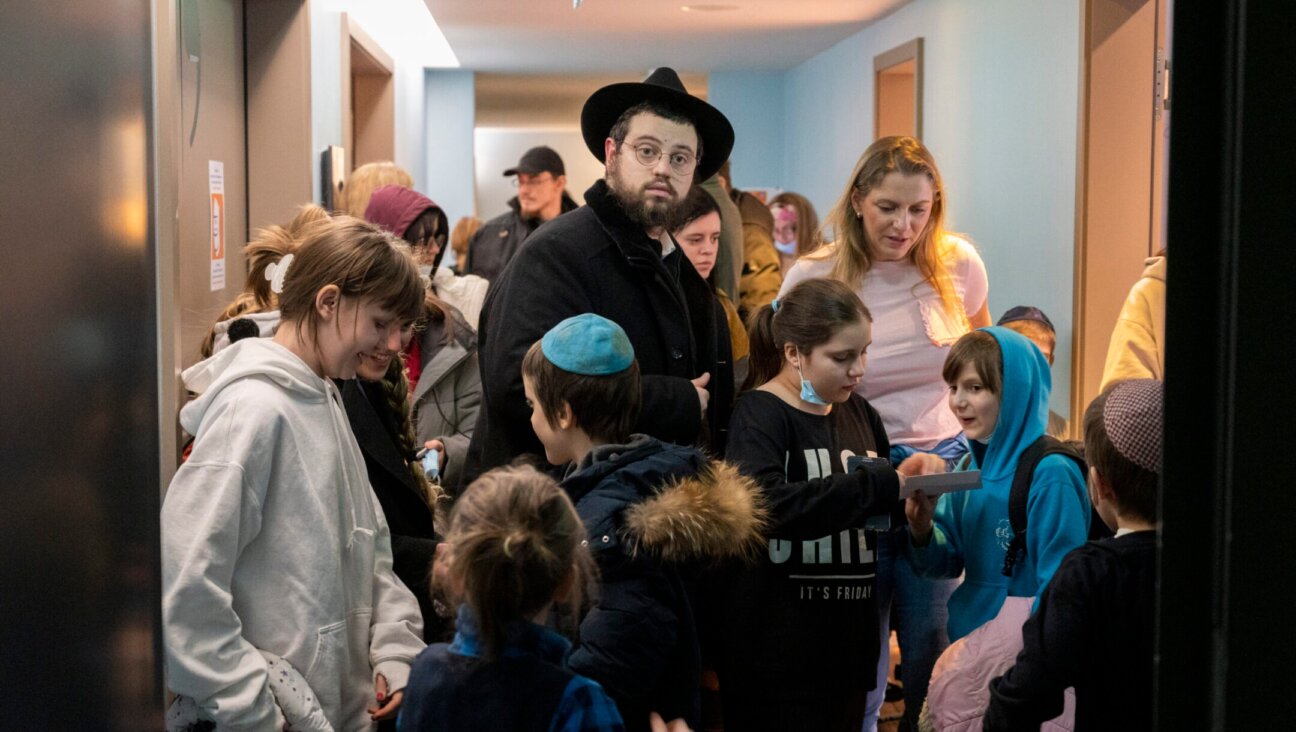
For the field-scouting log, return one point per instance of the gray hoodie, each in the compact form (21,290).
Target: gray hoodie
(272,540)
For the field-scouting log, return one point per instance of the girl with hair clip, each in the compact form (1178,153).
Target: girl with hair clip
(517,550)
(800,636)
(378,408)
(258,303)
(926,287)
(274,549)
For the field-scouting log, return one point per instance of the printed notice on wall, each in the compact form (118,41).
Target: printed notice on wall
(216,186)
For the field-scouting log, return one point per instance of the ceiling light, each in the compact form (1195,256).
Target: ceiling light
(707,8)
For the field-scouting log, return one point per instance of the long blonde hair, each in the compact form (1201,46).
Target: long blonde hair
(934,248)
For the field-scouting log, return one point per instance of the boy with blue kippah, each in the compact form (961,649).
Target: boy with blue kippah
(653,511)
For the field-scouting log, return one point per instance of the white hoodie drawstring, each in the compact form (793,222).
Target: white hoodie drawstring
(347,450)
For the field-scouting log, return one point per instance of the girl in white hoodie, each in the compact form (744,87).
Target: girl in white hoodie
(272,540)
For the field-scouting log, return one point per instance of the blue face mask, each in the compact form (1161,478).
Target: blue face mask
(808,393)
(787,248)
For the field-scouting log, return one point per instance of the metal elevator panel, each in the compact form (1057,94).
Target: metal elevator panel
(79,586)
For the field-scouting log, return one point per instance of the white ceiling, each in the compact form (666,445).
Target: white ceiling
(549,36)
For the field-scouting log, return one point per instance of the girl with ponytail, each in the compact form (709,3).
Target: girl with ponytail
(800,641)
(517,550)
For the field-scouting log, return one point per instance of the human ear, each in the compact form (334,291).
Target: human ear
(327,302)
(1100,486)
(609,150)
(565,419)
(792,355)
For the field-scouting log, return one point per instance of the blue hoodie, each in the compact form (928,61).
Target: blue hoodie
(972,531)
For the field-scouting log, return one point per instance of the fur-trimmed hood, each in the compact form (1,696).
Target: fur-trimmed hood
(666,501)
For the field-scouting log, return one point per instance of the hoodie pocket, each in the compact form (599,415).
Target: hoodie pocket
(942,328)
(339,672)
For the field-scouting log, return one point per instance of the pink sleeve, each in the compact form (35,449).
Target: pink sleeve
(976,286)
(792,277)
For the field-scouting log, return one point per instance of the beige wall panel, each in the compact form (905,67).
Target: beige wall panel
(279,111)
(1116,188)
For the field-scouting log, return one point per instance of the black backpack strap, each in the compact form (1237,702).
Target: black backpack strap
(1019,494)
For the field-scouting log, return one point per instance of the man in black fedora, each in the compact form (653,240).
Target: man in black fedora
(614,257)
(541,182)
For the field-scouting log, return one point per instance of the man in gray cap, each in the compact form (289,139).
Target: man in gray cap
(614,257)
(542,195)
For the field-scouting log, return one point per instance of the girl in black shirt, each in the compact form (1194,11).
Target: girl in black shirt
(799,642)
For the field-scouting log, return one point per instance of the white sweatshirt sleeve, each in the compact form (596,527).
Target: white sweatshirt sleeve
(396,636)
(209,515)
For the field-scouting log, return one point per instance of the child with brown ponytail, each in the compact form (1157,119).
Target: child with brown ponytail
(516,551)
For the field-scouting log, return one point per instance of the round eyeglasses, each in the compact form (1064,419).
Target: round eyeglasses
(683,163)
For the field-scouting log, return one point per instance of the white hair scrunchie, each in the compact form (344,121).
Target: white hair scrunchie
(275,273)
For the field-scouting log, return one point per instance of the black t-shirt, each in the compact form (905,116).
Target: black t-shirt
(802,622)
(1093,630)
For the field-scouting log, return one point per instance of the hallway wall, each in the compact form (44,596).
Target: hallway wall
(1000,109)
(407,32)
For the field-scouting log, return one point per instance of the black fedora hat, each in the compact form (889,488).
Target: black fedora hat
(664,87)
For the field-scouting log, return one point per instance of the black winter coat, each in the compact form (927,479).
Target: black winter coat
(413,536)
(654,513)
(596,260)
(499,239)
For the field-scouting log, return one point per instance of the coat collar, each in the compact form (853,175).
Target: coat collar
(441,359)
(371,434)
(668,501)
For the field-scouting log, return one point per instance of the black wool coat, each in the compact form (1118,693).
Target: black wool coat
(413,536)
(596,260)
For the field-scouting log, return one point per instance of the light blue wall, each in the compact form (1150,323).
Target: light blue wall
(450,113)
(754,103)
(1000,107)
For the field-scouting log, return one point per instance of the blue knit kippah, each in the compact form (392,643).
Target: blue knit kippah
(589,345)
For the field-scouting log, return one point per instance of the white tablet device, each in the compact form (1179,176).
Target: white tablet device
(938,483)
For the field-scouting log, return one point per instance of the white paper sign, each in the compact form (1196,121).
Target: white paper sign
(216,188)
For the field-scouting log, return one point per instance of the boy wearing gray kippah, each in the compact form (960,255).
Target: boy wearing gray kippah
(654,513)
(1094,626)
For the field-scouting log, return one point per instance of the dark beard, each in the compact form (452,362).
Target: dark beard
(650,213)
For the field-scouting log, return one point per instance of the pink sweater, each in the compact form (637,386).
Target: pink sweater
(912,334)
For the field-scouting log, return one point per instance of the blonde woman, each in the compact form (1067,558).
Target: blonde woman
(925,288)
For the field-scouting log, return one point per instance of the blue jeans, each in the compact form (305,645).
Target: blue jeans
(920,607)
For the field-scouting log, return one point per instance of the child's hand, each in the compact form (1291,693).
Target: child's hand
(920,509)
(921,463)
(700,384)
(659,725)
(388,706)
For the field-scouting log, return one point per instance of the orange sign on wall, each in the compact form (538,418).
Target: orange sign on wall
(216,198)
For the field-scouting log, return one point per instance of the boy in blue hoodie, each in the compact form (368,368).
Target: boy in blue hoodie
(999,389)
(652,512)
